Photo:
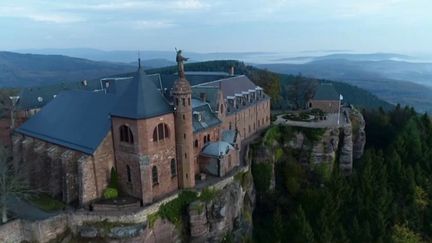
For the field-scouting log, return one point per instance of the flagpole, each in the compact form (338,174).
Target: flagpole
(340,101)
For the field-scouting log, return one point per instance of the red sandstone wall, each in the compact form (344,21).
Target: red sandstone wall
(159,154)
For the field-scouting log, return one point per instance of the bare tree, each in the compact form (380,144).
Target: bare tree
(12,182)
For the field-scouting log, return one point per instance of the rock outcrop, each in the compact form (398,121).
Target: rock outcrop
(318,147)
(359,134)
(229,214)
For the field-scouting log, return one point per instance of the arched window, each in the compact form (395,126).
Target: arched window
(208,137)
(205,139)
(160,132)
(196,143)
(126,134)
(129,177)
(155,178)
(173,168)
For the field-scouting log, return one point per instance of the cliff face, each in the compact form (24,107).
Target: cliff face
(224,215)
(227,216)
(318,148)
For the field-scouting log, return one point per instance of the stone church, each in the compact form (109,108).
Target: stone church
(159,132)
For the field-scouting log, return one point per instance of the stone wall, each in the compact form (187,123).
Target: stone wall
(12,232)
(65,174)
(142,155)
(250,119)
(94,172)
(55,227)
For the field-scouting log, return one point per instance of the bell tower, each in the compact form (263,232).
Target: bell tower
(182,93)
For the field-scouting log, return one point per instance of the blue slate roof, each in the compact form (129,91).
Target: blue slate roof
(141,99)
(229,136)
(211,94)
(36,97)
(326,91)
(75,119)
(232,85)
(216,149)
(202,116)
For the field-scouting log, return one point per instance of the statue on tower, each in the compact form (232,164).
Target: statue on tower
(180,59)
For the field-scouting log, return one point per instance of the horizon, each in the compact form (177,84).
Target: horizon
(203,26)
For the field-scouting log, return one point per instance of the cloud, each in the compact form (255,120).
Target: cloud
(37,15)
(151,24)
(147,5)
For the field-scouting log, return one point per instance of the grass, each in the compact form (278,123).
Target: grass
(47,203)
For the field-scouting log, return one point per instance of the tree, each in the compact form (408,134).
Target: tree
(402,234)
(303,228)
(12,182)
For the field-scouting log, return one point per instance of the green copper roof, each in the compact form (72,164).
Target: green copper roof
(141,99)
(326,91)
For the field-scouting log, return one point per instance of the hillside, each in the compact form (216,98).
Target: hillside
(23,70)
(392,81)
(282,99)
(386,199)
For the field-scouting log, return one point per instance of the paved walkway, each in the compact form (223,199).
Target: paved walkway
(331,121)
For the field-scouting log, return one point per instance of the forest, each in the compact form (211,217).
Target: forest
(386,199)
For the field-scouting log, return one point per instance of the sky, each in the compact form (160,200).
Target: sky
(400,26)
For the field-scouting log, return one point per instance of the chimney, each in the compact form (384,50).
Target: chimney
(231,71)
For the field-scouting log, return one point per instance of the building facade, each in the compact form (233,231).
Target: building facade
(326,99)
(159,132)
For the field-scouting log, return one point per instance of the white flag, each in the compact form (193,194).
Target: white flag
(340,97)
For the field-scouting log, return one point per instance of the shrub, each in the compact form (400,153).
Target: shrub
(174,209)
(110,193)
(262,174)
(114,179)
(208,194)
(151,219)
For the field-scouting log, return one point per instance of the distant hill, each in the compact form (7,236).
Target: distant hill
(127,56)
(352,94)
(394,81)
(20,70)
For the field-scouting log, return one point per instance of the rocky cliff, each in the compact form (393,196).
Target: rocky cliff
(321,149)
(221,212)
(226,217)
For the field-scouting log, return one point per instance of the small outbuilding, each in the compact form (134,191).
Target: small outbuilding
(326,98)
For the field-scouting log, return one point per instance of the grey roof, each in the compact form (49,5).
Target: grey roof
(29,97)
(141,99)
(216,149)
(203,117)
(229,136)
(74,119)
(211,95)
(207,73)
(233,85)
(167,80)
(326,91)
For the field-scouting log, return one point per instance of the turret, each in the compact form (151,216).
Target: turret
(182,94)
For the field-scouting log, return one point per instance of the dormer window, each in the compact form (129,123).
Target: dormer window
(197,115)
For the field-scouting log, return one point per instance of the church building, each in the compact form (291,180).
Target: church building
(159,132)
